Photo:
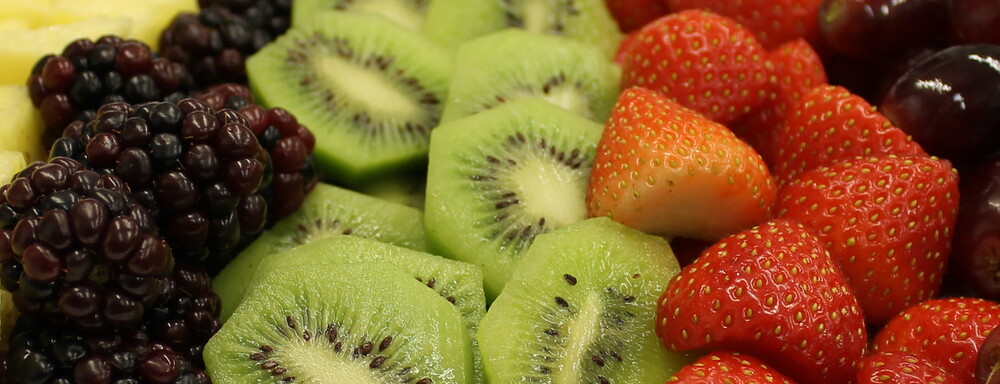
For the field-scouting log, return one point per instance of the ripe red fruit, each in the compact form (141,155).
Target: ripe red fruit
(633,14)
(772,21)
(704,61)
(947,332)
(887,221)
(664,169)
(795,70)
(900,368)
(773,292)
(730,368)
(829,123)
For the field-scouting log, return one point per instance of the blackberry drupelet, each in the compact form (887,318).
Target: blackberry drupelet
(289,143)
(41,352)
(215,43)
(75,247)
(88,74)
(187,313)
(197,170)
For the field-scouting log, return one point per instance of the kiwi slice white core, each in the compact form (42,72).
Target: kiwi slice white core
(553,190)
(536,15)
(584,330)
(365,87)
(314,361)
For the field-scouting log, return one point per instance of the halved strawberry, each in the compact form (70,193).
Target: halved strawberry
(900,368)
(772,21)
(730,368)
(795,69)
(772,292)
(887,221)
(665,169)
(947,332)
(704,61)
(633,14)
(830,123)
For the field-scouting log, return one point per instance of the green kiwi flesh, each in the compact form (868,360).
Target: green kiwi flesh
(408,13)
(499,178)
(370,90)
(457,282)
(512,64)
(326,212)
(406,188)
(448,21)
(580,309)
(350,323)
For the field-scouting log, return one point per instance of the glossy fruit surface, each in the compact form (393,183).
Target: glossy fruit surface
(950,103)
(863,28)
(975,259)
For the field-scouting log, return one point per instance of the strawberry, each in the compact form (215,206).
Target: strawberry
(665,169)
(887,221)
(947,332)
(728,367)
(773,21)
(706,62)
(633,14)
(772,292)
(900,368)
(830,123)
(795,69)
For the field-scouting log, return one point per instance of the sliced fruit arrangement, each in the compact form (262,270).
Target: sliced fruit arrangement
(408,13)
(328,211)
(370,322)
(513,64)
(585,20)
(498,179)
(578,310)
(370,90)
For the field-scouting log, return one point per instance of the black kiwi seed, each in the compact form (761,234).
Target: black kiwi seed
(558,18)
(385,343)
(562,302)
(570,279)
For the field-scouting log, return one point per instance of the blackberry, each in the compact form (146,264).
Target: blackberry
(75,246)
(187,314)
(215,43)
(88,74)
(197,170)
(42,352)
(289,143)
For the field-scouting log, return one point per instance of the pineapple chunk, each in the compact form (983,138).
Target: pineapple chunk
(23,127)
(10,163)
(32,13)
(22,48)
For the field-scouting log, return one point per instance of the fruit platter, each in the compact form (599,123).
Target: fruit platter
(500,191)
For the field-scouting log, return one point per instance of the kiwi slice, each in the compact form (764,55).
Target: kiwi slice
(457,282)
(370,90)
(327,211)
(499,178)
(408,13)
(580,309)
(406,188)
(514,64)
(453,22)
(347,323)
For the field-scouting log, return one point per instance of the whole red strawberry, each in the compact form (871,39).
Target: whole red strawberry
(633,14)
(830,123)
(729,368)
(665,169)
(946,332)
(887,221)
(900,368)
(704,61)
(772,21)
(796,69)
(772,292)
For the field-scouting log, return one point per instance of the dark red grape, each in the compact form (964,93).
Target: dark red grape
(950,103)
(975,21)
(988,364)
(864,28)
(975,257)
